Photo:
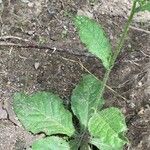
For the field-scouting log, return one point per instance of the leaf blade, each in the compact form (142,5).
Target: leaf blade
(144,5)
(108,126)
(86,95)
(93,36)
(100,145)
(50,143)
(43,112)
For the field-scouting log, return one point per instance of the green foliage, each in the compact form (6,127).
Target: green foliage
(86,95)
(50,143)
(107,126)
(100,145)
(93,36)
(144,5)
(44,112)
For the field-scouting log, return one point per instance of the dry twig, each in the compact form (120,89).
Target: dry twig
(53,49)
(13,37)
(140,30)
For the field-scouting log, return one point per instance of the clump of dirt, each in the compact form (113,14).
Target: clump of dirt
(51,57)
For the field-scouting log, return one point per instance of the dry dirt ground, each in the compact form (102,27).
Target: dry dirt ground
(51,55)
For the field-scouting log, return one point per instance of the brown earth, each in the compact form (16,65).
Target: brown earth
(52,56)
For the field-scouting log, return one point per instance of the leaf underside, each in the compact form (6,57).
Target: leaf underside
(43,112)
(93,36)
(50,143)
(108,126)
(85,98)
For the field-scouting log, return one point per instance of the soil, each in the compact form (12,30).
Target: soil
(48,54)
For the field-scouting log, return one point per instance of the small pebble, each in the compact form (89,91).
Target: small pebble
(36,65)
(132,105)
(30,32)
(30,4)
(25,1)
(139,84)
(141,112)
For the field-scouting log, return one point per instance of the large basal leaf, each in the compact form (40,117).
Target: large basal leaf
(86,98)
(93,36)
(51,143)
(43,112)
(108,126)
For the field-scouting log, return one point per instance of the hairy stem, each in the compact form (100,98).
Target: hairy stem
(118,49)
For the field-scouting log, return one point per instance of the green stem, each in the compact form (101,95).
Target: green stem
(116,53)
(122,40)
(118,49)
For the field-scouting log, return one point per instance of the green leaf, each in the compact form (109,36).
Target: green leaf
(141,2)
(85,147)
(100,145)
(50,143)
(108,126)
(89,148)
(144,7)
(86,98)
(93,36)
(43,112)
(74,144)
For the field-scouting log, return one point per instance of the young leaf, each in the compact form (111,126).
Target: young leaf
(108,126)
(144,7)
(93,36)
(50,143)
(85,98)
(43,112)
